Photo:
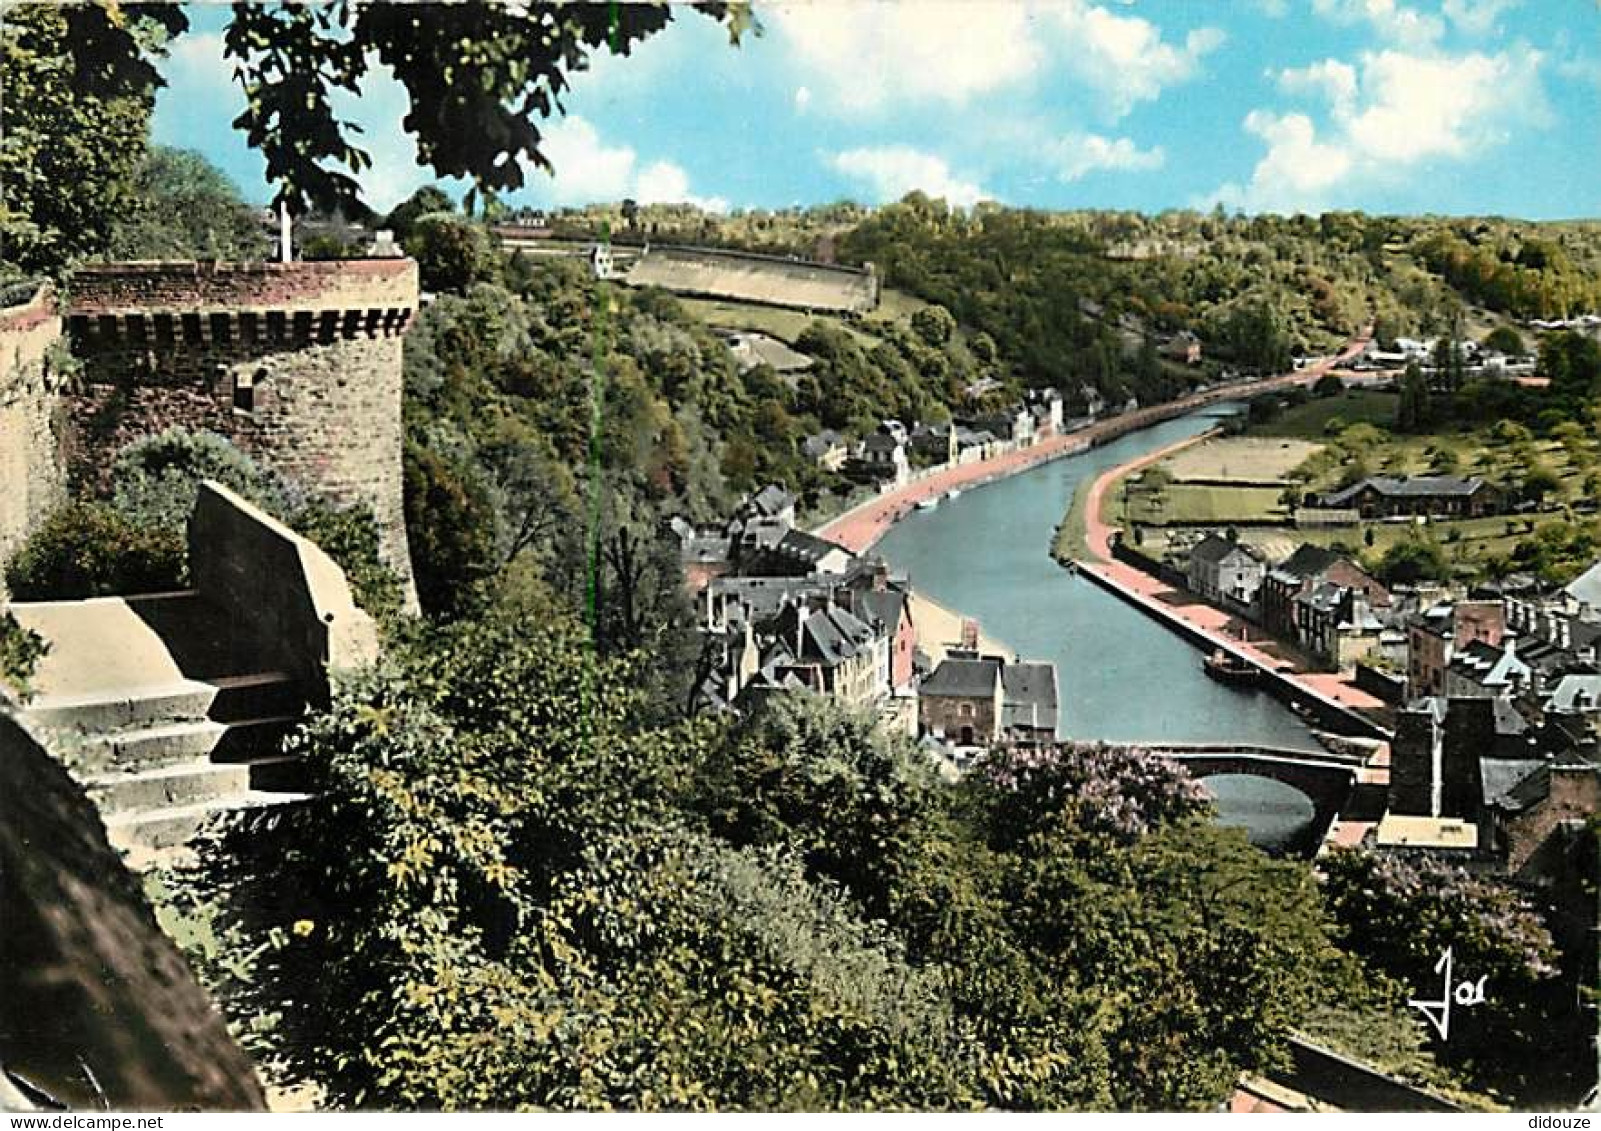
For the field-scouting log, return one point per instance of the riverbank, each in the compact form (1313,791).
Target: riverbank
(1334,702)
(1072,542)
(860,528)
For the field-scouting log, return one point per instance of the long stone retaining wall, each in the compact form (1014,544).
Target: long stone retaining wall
(32,480)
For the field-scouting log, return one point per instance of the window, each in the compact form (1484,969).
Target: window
(244,390)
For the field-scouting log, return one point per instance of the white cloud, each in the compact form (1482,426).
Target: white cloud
(1078,155)
(1396,24)
(1394,115)
(803,97)
(588,169)
(867,57)
(1125,58)
(893,171)
(1476,17)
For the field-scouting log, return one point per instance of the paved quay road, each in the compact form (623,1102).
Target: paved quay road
(1122,675)
(861,528)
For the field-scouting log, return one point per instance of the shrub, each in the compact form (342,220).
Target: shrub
(155,479)
(89,550)
(20,650)
(350,538)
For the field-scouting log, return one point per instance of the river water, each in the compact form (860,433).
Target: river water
(1122,676)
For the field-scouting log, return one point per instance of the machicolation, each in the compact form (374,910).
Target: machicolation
(297,363)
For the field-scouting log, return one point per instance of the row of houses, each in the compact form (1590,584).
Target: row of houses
(783,611)
(887,455)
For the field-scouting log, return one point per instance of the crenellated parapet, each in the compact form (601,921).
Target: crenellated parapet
(299,364)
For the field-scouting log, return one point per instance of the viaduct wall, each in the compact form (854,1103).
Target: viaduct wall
(31,478)
(299,364)
(766,279)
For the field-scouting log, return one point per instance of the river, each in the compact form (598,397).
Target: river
(1122,676)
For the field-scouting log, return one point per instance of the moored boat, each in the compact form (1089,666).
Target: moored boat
(927,504)
(1230,669)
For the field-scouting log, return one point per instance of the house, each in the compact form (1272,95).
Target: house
(704,554)
(1435,636)
(882,457)
(890,608)
(1221,568)
(1028,703)
(1336,624)
(796,553)
(771,502)
(936,443)
(979,700)
(1015,424)
(827,449)
(962,699)
(1046,407)
(826,649)
(974,444)
(1439,496)
(1183,347)
(1585,590)
(1298,574)
(1482,671)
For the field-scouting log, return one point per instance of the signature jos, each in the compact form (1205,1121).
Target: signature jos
(1467,993)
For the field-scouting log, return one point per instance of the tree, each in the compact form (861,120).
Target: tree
(1413,560)
(426,201)
(1504,339)
(1413,412)
(78,96)
(934,325)
(452,252)
(1328,385)
(183,207)
(85,549)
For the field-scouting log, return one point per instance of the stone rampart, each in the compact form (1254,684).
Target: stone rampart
(299,364)
(281,585)
(766,279)
(31,479)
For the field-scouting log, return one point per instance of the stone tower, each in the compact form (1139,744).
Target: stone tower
(299,364)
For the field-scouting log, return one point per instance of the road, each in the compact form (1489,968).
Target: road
(858,529)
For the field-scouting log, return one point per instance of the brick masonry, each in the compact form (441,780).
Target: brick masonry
(299,364)
(31,424)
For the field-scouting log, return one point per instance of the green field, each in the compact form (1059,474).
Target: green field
(1310,421)
(786,325)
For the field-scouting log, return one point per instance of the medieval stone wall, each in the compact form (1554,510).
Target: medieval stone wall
(31,480)
(298,364)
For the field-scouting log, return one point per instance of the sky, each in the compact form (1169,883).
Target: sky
(1390,106)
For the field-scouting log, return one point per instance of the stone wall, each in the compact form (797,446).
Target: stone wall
(299,364)
(284,587)
(97,1007)
(31,480)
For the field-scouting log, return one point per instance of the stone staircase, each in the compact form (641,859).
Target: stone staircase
(163,747)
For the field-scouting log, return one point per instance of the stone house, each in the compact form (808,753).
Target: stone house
(827,449)
(962,699)
(1438,496)
(882,457)
(935,442)
(1220,568)
(1298,574)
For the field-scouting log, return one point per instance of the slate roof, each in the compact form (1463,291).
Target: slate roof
(826,637)
(1307,561)
(1501,776)
(1576,694)
(1214,548)
(1587,586)
(879,442)
(882,605)
(964,678)
(1029,696)
(973,437)
(1410,487)
(771,500)
(801,546)
(820,444)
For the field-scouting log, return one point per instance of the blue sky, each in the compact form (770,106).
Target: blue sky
(1406,106)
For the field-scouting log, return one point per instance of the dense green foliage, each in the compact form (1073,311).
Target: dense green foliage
(1401,915)
(20,652)
(87,549)
(515,890)
(75,121)
(182,207)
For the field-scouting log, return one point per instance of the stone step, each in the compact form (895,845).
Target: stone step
(192,783)
(140,832)
(170,744)
(255,695)
(122,708)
